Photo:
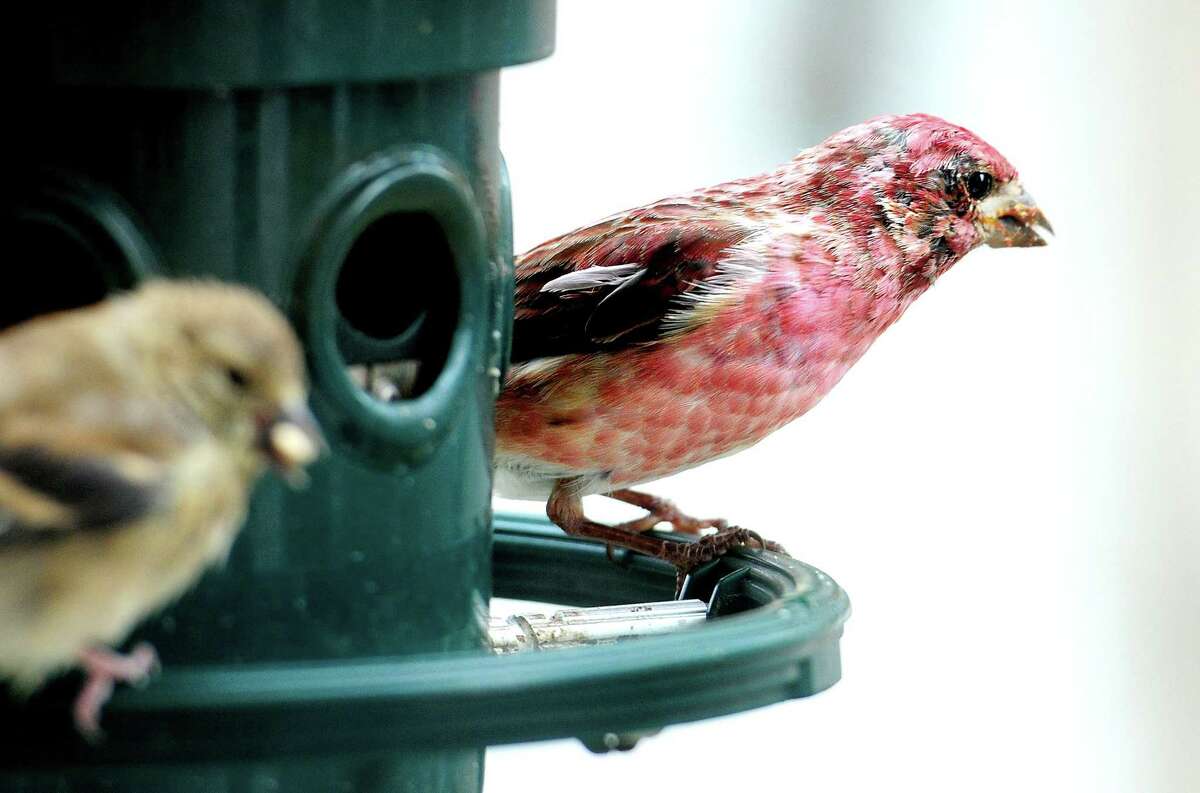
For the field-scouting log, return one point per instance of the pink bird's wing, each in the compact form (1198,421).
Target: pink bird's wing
(611,286)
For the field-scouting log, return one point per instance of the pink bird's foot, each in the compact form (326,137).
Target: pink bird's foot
(104,668)
(565,510)
(688,556)
(662,511)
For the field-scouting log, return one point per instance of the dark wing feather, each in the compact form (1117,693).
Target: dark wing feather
(610,286)
(91,491)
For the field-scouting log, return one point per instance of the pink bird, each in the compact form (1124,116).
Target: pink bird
(676,333)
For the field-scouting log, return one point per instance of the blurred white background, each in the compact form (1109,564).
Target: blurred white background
(1007,485)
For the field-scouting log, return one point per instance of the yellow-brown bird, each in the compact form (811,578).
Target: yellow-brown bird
(131,433)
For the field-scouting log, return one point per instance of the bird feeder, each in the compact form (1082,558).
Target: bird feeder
(342,157)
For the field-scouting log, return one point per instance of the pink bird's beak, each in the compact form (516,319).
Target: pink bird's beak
(1008,216)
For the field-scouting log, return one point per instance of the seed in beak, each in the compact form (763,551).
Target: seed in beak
(292,445)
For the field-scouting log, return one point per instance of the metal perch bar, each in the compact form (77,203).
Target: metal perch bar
(588,626)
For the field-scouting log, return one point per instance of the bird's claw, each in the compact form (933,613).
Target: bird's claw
(687,556)
(104,669)
(145,667)
(773,547)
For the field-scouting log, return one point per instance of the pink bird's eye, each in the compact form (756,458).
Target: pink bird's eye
(979,184)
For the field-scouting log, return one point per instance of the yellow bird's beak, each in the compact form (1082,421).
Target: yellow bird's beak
(291,439)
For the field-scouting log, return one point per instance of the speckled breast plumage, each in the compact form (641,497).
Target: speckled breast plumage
(617,420)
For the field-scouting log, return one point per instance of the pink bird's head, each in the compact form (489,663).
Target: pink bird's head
(937,189)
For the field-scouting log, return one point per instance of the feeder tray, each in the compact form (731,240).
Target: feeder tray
(772,634)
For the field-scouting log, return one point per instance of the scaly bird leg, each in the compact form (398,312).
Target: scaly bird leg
(565,510)
(662,510)
(104,668)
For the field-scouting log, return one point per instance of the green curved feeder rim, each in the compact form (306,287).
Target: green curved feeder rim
(773,635)
(240,43)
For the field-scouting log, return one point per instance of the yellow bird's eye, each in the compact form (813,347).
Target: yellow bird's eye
(237,377)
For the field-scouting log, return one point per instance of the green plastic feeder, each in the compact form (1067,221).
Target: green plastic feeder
(342,157)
